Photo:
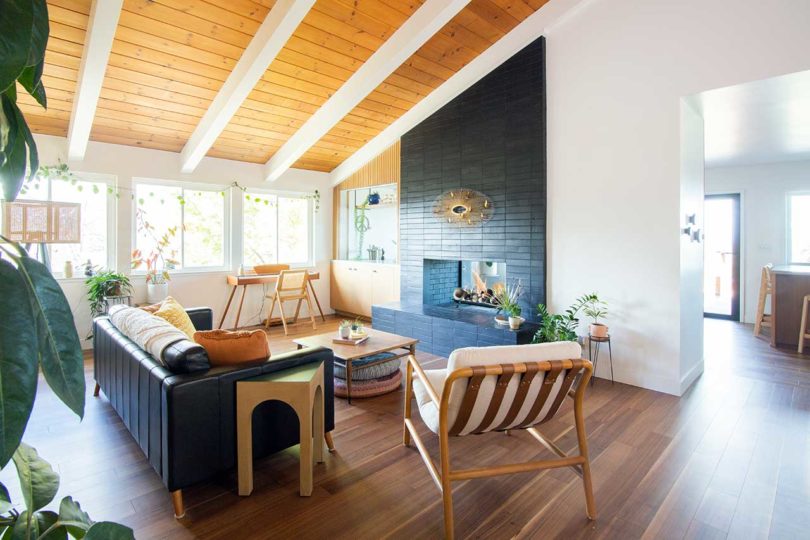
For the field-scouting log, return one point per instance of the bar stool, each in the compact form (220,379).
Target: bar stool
(804,333)
(765,290)
(301,387)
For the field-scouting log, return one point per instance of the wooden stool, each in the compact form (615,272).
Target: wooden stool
(301,387)
(765,290)
(803,330)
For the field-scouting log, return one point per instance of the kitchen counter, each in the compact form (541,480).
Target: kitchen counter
(790,284)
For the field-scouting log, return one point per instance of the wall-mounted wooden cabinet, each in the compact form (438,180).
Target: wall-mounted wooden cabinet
(357,285)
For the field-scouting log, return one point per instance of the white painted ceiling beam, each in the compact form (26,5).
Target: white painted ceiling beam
(534,26)
(418,29)
(97,45)
(271,36)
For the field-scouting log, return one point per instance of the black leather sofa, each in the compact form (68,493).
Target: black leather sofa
(185,422)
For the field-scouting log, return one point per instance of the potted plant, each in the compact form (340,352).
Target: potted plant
(373,198)
(103,284)
(345,329)
(357,328)
(506,298)
(158,262)
(596,309)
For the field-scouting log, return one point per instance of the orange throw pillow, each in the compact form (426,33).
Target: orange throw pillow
(227,348)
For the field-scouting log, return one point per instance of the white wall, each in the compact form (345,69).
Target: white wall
(191,289)
(763,193)
(616,73)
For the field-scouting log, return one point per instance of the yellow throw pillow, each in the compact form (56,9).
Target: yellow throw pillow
(175,314)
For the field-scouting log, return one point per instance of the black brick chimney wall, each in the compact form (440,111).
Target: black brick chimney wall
(491,138)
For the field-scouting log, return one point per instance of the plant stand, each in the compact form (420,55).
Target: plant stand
(593,354)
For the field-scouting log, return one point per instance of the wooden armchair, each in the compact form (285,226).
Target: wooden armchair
(498,389)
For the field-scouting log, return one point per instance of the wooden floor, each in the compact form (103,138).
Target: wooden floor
(729,459)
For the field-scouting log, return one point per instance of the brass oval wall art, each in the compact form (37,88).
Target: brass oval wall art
(463,207)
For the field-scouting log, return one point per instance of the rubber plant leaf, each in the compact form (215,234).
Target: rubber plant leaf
(74,518)
(31,80)
(16,27)
(38,480)
(60,352)
(5,500)
(106,530)
(18,366)
(33,154)
(12,171)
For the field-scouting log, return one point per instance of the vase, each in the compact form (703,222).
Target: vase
(156,292)
(344,332)
(514,322)
(68,269)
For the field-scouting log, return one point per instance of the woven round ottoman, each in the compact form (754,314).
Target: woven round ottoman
(371,387)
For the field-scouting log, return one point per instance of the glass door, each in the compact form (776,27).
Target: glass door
(721,253)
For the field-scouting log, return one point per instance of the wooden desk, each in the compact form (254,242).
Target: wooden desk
(244,280)
(790,284)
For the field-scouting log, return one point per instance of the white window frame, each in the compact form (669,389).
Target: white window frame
(111,182)
(310,230)
(789,228)
(187,186)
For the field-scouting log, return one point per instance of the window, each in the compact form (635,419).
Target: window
(95,193)
(276,229)
(190,220)
(798,228)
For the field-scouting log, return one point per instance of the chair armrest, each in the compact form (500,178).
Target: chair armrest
(429,387)
(201,317)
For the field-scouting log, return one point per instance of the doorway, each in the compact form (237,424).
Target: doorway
(721,269)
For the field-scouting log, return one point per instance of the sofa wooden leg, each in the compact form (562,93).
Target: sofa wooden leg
(329,443)
(177,501)
(96,390)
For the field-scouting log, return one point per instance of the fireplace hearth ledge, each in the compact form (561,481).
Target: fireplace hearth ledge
(442,328)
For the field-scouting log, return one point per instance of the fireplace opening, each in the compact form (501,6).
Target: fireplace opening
(463,282)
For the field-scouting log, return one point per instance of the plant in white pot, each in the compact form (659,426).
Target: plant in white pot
(345,329)
(159,260)
(596,309)
(506,297)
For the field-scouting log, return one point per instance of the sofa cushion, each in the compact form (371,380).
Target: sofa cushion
(227,348)
(171,310)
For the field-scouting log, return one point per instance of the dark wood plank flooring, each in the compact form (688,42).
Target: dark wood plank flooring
(731,459)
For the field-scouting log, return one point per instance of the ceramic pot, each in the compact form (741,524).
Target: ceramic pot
(514,322)
(156,292)
(598,330)
(374,198)
(344,332)
(68,269)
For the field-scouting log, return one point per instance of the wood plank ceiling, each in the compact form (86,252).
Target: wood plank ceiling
(171,57)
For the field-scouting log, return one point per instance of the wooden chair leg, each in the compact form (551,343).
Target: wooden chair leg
(330,444)
(179,507)
(582,442)
(447,489)
(270,312)
(283,317)
(406,434)
(96,390)
(317,302)
(311,313)
(297,310)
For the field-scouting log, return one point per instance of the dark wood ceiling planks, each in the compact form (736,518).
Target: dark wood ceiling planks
(170,58)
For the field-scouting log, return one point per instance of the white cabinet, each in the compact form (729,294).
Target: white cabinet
(357,285)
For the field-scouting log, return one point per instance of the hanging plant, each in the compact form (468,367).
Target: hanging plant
(316,198)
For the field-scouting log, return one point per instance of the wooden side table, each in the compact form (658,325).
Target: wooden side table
(593,353)
(301,387)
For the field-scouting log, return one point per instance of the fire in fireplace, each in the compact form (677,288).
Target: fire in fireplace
(479,282)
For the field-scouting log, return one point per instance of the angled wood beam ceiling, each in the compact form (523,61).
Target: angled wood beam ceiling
(534,26)
(415,32)
(271,36)
(104,16)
